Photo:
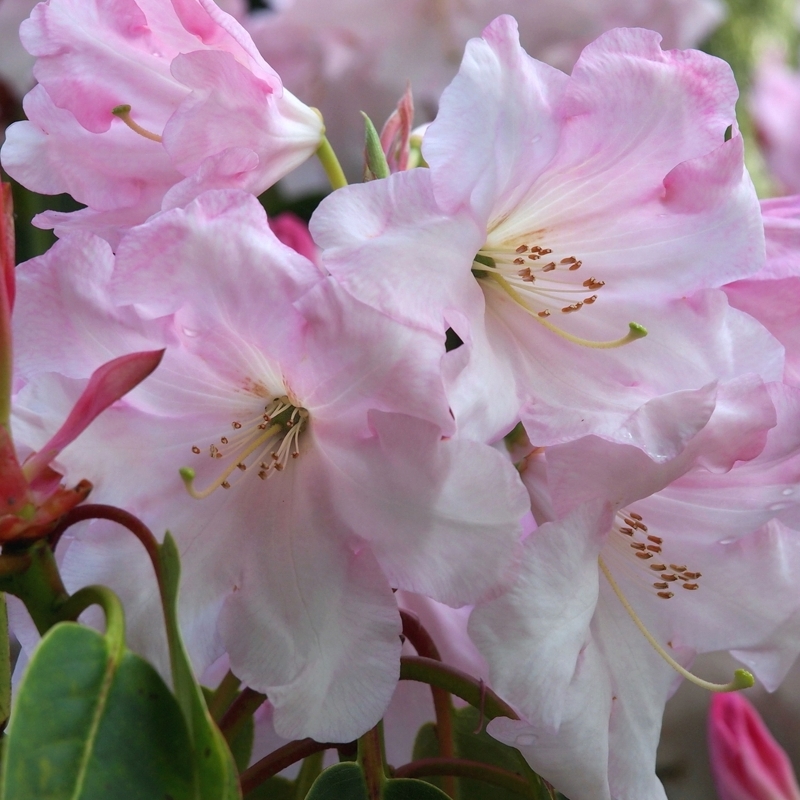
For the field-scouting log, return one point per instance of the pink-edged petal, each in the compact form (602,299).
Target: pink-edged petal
(534,634)
(655,393)
(281,130)
(73,275)
(360,359)
(774,304)
(443,517)
(515,98)
(392,247)
(737,430)
(107,384)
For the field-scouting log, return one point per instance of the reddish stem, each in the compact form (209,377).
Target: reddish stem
(283,757)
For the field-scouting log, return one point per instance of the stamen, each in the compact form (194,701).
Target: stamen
(124,113)
(188,474)
(742,679)
(635,331)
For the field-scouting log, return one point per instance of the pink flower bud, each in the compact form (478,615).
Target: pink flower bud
(748,764)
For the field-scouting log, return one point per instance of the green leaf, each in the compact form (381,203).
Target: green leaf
(242,745)
(94,721)
(216,770)
(343,781)
(410,789)
(276,788)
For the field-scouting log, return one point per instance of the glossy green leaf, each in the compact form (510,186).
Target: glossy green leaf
(216,770)
(344,781)
(410,789)
(93,721)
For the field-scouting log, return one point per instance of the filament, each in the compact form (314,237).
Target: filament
(742,679)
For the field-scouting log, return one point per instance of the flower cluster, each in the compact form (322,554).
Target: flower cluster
(550,375)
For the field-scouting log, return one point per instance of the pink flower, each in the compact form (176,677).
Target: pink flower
(578,205)
(775,107)
(323,456)
(345,57)
(205,110)
(748,764)
(32,495)
(772,295)
(704,551)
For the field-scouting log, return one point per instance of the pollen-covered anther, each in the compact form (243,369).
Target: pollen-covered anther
(574,307)
(276,431)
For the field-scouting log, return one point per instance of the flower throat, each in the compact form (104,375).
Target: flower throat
(263,444)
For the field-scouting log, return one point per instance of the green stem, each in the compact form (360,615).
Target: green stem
(371,759)
(275,762)
(434,673)
(112,608)
(32,575)
(242,708)
(309,772)
(223,696)
(423,643)
(462,768)
(330,163)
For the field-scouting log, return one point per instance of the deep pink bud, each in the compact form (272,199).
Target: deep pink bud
(748,764)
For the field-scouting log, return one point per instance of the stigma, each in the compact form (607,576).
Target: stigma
(263,444)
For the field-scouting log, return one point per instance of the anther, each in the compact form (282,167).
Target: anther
(690,586)
(637,517)
(665,595)
(224,440)
(693,575)
(519,261)
(549,267)
(660,585)
(543,314)
(574,307)
(589,300)
(545,250)
(522,248)
(637,545)
(655,539)
(667,576)
(644,555)
(225,485)
(676,568)
(241,466)
(576,265)
(626,531)
(658,567)
(262,474)
(236,425)
(570,260)
(196,450)
(534,256)
(641,526)
(654,548)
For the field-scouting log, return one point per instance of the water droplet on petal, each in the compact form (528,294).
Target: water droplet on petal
(778,506)
(787,492)
(190,332)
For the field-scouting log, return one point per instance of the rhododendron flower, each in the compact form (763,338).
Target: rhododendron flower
(33,497)
(643,566)
(346,57)
(578,205)
(747,762)
(203,110)
(312,432)
(774,102)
